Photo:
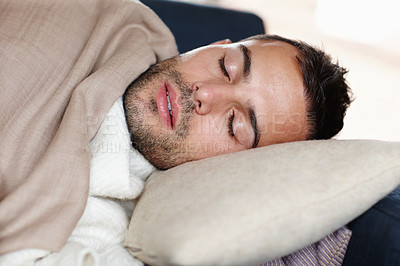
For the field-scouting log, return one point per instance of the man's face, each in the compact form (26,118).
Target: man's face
(215,100)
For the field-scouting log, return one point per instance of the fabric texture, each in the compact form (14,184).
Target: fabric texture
(72,253)
(376,233)
(259,205)
(328,251)
(117,175)
(63,65)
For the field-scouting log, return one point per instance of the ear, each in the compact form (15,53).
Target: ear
(226,41)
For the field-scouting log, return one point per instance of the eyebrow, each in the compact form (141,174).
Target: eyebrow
(246,60)
(253,120)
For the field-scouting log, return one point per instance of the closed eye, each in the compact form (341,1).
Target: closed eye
(230,124)
(223,68)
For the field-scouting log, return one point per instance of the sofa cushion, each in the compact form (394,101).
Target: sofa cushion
(258,205)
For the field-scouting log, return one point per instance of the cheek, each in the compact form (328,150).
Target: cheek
(199,65)
(209,137)
(209,128)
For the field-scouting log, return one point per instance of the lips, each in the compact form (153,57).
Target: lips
(167,107)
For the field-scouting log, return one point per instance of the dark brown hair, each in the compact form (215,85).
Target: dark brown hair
(327,94)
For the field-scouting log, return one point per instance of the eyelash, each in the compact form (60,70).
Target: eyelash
(232,116)
(223,68)
(230,124)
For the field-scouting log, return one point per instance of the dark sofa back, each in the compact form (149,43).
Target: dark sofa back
(196,25)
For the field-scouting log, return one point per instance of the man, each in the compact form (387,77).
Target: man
(230,97)
(64,65)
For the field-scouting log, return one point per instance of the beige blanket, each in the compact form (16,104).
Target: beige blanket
(63,65)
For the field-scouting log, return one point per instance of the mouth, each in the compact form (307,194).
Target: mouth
(167,107)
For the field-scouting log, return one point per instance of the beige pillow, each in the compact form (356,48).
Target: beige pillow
(254,206)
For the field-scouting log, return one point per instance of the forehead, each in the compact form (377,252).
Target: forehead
(275,56)
(277,89)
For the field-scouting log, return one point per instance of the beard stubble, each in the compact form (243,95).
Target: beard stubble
(163,149)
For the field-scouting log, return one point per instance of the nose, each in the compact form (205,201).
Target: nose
(209,97)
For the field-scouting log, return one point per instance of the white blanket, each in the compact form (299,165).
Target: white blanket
(117,176)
